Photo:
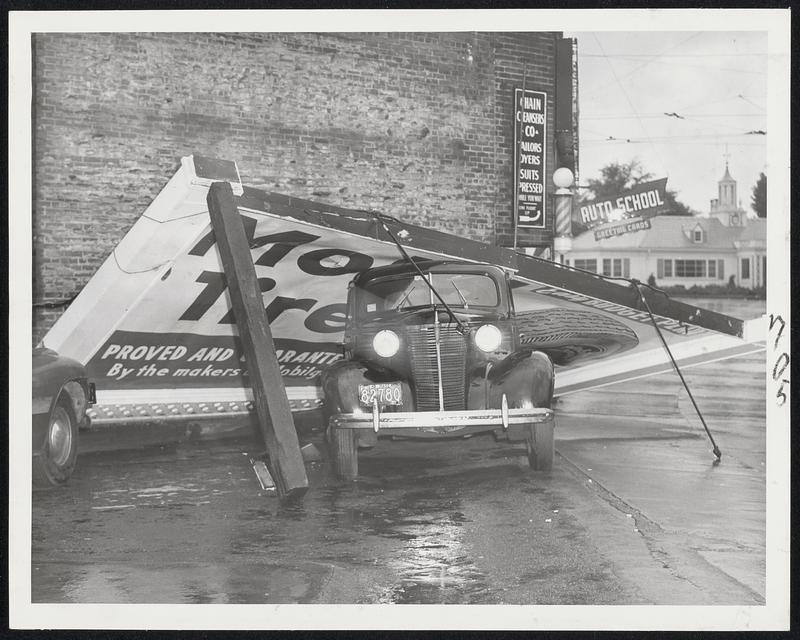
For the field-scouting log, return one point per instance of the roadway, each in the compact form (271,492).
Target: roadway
(634,512)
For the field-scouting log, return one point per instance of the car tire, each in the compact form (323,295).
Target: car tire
(540,443)
(345,453)
(54,461)
(570,336)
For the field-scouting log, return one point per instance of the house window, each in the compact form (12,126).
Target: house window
(617,267)
(745,268)
(712,268)
(664,268)
(690,268)
(698,235)
(586,265)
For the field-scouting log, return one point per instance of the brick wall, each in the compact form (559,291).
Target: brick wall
(417,125)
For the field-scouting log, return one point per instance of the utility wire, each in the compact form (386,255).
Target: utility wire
(748,101)
(715,124)
(721,135)
(591,91)
(625,116)
(630,103)
(673,55)
(710,143)
(707,67)
(690,136)
(705,103)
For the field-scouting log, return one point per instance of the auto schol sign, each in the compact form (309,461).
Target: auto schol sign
(155,328)
(630,211)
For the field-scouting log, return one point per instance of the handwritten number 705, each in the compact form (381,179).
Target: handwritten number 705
(782,361)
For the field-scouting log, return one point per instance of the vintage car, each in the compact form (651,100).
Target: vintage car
(432,349)
(61,395)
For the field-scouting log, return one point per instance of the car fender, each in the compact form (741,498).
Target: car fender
(56,377)
(525,377)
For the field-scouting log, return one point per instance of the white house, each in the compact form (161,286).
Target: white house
(685,250)
(751,250)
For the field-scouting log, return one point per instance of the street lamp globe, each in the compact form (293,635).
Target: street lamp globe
(563,178)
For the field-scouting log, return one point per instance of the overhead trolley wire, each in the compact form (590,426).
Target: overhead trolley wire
(705,103)
(748,101)
(608,116)
(593,90)
(712,143)
(707,67)
(690,136)
(673,55)
(630,103)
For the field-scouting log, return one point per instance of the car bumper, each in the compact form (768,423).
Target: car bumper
(484,418)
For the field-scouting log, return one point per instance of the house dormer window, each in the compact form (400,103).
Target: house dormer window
(697,235)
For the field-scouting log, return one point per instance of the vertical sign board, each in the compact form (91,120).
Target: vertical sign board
(530,129)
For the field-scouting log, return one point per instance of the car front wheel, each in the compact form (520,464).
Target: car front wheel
(540,442)
(54,460)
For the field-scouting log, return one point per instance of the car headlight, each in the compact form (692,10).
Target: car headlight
(488,338)
(386,343)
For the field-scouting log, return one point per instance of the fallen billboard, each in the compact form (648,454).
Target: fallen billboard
(154,326)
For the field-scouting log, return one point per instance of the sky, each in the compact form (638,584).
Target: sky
(715,82)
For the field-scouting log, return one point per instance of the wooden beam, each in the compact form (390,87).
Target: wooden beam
(272,405)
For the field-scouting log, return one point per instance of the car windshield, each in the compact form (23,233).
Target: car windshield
(459,290)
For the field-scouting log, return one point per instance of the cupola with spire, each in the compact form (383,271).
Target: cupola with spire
(726,207)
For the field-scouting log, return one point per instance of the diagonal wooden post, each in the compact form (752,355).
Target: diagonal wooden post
(272,404)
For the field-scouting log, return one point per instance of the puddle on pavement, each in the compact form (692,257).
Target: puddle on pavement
(432,564)
(196,583)
(396,523)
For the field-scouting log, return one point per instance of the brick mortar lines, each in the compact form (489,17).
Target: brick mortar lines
(398,122)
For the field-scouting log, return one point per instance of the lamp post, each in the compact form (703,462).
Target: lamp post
(562,242)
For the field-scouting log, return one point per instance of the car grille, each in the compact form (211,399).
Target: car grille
(422,356)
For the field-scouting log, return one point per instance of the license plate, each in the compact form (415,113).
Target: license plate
(387,393)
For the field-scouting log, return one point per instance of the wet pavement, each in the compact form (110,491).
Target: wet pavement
(445,522)
(632,513)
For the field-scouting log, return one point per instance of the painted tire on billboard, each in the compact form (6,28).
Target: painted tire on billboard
(570,336)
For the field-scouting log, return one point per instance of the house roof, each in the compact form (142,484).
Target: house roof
(668,232)
(756,229)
